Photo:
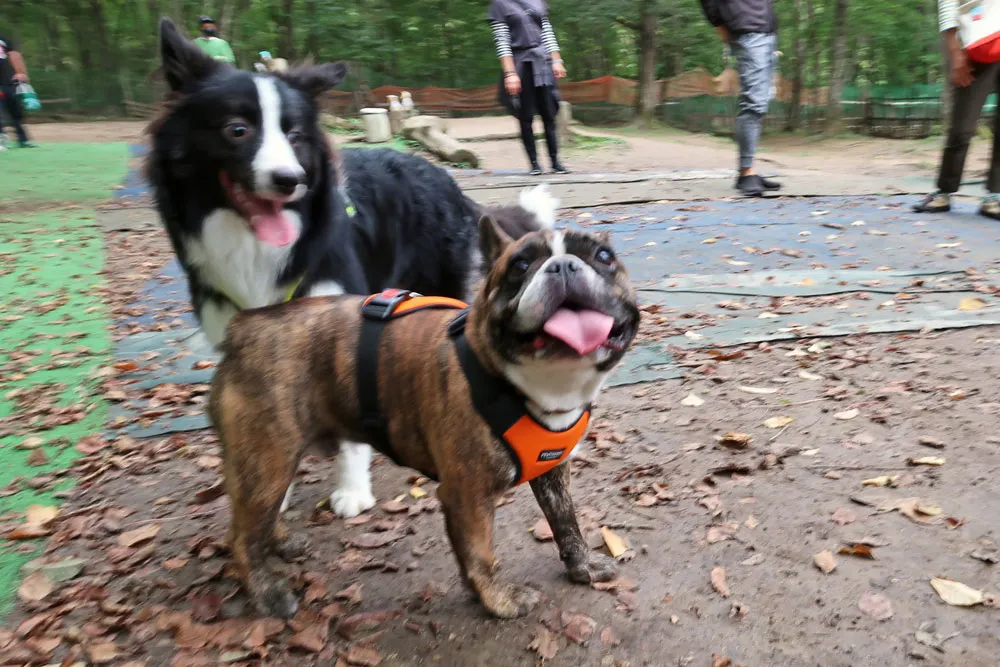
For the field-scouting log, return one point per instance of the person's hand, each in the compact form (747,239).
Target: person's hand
(723,33)
(961,68)
(512,82)
(559,69)
(21,78)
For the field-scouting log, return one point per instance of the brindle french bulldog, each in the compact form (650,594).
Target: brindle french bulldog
(551,319)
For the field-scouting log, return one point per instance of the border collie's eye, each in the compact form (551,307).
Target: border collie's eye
(294,137)
(605,256)
(237,131)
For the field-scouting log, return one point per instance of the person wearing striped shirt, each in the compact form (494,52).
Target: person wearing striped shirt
(972,83)
(529,55)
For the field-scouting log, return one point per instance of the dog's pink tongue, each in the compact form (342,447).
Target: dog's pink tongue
(583,330)
(270,223)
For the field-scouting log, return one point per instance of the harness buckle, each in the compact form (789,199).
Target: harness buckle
(381,306)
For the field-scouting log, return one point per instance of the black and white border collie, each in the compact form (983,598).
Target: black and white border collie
(260,209)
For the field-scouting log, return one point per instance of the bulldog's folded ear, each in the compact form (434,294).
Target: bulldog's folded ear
(493,240)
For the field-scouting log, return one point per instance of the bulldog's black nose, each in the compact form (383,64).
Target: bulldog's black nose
(285,180)
(564,265)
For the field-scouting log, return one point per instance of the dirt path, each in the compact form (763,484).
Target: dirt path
(663,149)
(723,529)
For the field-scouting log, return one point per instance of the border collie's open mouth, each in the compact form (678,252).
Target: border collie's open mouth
(579,331)
(267,218)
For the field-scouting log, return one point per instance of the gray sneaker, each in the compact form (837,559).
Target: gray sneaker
(935,202)
(990,207)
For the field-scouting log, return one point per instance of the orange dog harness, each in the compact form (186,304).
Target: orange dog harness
(532,447)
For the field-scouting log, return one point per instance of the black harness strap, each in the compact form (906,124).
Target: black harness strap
(494,399)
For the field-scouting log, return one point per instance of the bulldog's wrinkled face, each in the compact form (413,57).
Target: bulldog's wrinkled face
(556,294)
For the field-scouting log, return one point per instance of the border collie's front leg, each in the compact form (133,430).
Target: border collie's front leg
(354,482)
(215,316)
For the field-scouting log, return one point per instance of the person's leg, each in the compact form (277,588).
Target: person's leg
(966,108)
(14,109)
(3,110)
(991,203)
(967,105)
(754,54)
(548,108)
(526,116)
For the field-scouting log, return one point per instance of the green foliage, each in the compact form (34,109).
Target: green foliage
(99,52)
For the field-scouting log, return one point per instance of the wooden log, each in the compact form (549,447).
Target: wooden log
(431,133)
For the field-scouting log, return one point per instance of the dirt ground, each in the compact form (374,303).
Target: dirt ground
(723,529)
(730,487)
(662,149)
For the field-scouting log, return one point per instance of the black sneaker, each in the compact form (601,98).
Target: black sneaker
(751,186)
(536,170)
(935,202)
(559,168)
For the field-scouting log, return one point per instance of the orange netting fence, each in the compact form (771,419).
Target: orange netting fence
(604,90)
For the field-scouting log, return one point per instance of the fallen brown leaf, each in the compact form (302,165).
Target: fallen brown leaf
(956,593)
(139,535)
(376,540)
(610,638)
(825,561)
(35,587)
(721,533)
(580,628)
(719,581)
(545,644)
(843,516)
(617,546)
(859,550)
(735,440)
(102,653)
(721,661)
(876,605)
(312,638)
(542,531)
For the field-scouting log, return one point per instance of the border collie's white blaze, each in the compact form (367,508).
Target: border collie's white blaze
(275,154)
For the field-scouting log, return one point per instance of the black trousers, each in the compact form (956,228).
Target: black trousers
(967,106)
(542,101)
(13,108)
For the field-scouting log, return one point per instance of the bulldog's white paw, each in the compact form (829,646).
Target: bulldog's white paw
(348,503)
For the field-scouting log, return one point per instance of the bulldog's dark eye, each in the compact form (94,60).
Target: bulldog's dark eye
(237,130)
(605,256)
(518,266)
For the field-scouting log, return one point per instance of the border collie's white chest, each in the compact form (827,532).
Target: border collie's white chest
(234,262)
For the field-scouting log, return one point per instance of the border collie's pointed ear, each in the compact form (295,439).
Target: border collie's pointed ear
(183,62)
(493,240)
(314,80)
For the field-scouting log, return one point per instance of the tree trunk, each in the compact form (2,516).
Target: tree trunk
(236,23)
(312,34)
(286,34)
(839,68)
(107,58)
(813,73)
(798,68)
(648,93)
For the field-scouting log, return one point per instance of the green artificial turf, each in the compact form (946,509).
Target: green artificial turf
(53,173)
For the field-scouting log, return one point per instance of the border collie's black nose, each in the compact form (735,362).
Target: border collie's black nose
(285,180)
